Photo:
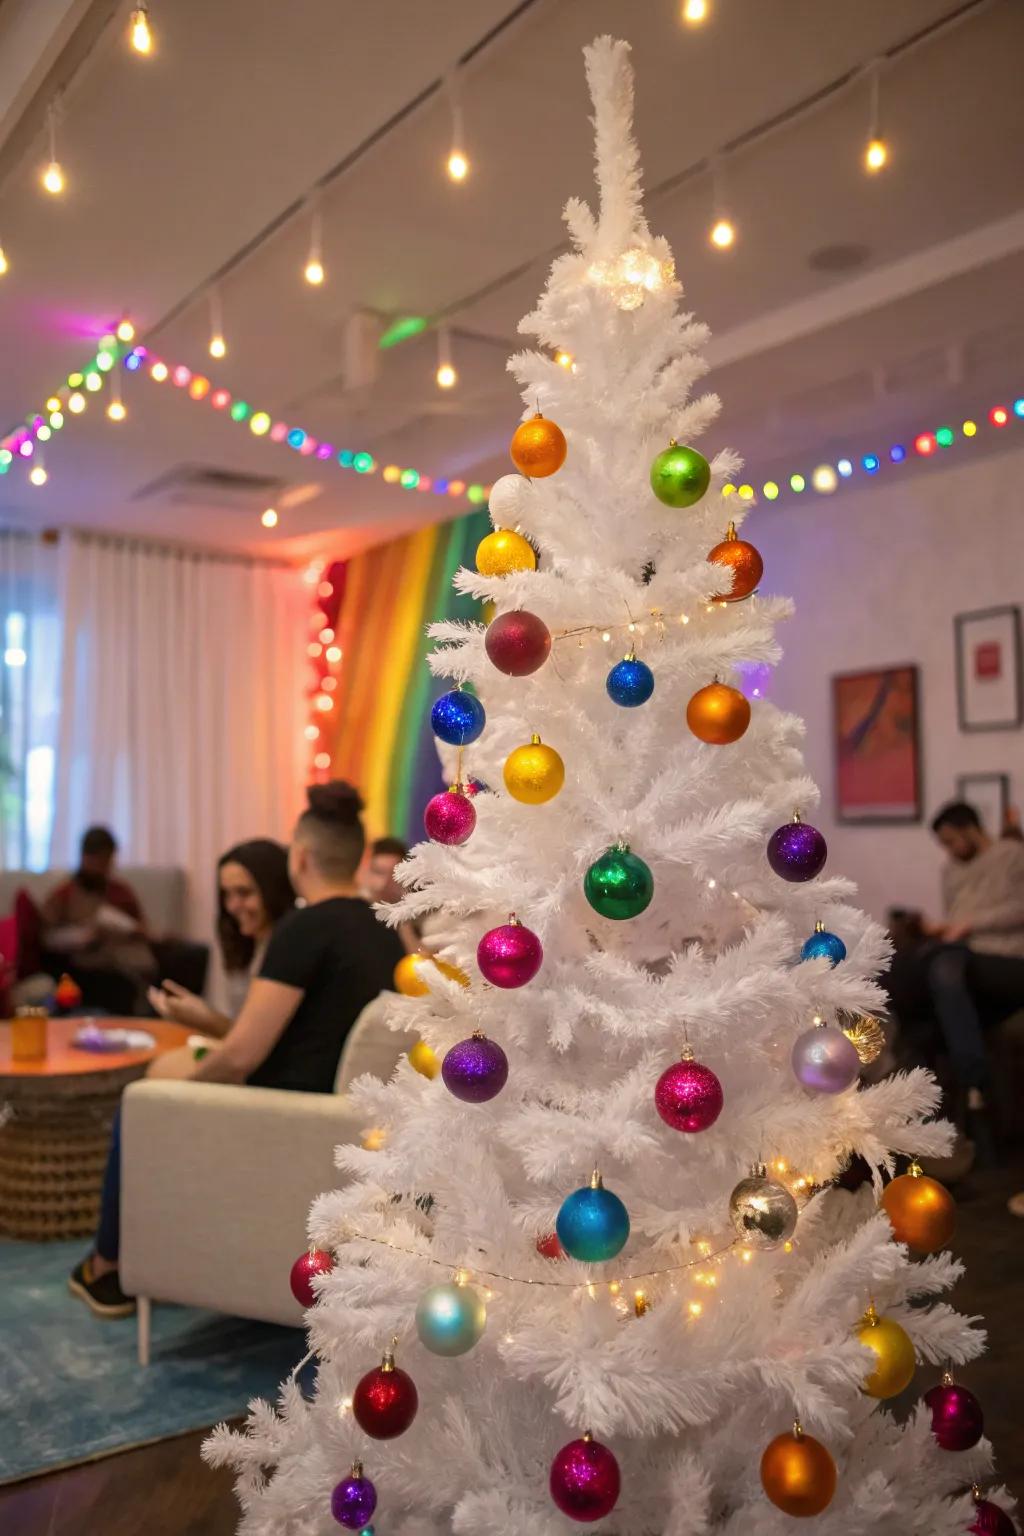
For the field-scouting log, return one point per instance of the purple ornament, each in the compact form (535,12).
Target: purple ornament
(824,1060)
(990,1520)
(475,1070)
(354,1499)
(797,852)
(688,1096)
(509,956)
(957,1421)
(450,817)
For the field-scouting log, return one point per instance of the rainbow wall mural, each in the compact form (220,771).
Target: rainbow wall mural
(378,733)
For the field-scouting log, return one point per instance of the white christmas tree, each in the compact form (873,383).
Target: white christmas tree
(639,1379)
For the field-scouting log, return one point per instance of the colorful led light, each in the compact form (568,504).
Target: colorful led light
(999,415)
(269,518)
(797,483)
(158,372)
(325,451)
(723,234)
(824,479)
(870,463)
(944,437)
(93,382)
(116,410)
(363,463)
(220,399)
(897,453)
(259,423)
(181,376)
(969,428)
(345,458)
(125,330)
(105,360)
(76,380)
(56,420)
(1018,407)
(391,474)
(239,410)
(409,479)
(845,468)
(278,432)
(26,447)
(924,444)
(296,437)
(76,403)
(134,360)
(199,387)
(770,490)
(476,494)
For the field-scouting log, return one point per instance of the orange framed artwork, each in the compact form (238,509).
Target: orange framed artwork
(877,745)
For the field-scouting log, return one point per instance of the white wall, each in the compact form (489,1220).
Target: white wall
(877,576)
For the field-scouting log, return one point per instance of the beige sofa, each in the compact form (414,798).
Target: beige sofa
(162,890)
(217,1182)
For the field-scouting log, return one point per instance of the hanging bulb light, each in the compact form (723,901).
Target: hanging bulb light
(694,12)
(876,151)
(218,346)
(116,409)
(722,233)
(139,33)
(313,271)
(76,402)
(269,518)
(4,264)
(53,176)
(125,330)
(457,164)
(446,375)
(37,474)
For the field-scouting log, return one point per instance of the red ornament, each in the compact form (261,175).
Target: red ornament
(313,1262)
(585,1480)
(957,1419)
(518,643)
(989,1519)
(688,1096)
(67,994)
(384,1403)
(549,1247)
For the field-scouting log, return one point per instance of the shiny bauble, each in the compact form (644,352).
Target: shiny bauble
(548,1246)
(475,1070)
(680,475)
(408,976)
(823,945)
(630,682)
(457,718)
(534,773)
(990,1519)
(796,851)
(592,1224)
(354,1500)
(385,1400)
(619,885)
(67,994)
(510,955)
(921,1211)
(895,1361)
(517,643)
(824,1061)
(744,563)
(798,1474)
(538,447)
(450,817)
(315,1261)
(957,1420)
(450,1318)
(718,714)
(453,972)
(688,1095)
(507,501)
(585,1480)
(762,1212)
(503,552)
(423,1059)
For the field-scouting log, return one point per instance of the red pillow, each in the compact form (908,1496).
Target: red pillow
(8,960)
(29,925)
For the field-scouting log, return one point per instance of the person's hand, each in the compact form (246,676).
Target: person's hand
(180,1005)
(932,929)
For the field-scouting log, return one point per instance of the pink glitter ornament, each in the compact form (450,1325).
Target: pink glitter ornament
(585,1480)
(509,956)
(450,817)
(688,1095)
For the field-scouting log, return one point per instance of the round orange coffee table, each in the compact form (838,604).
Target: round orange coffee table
(55,1116)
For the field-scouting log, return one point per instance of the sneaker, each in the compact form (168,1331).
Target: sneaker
(102,1294)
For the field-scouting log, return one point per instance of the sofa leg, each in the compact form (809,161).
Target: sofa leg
(143,1314)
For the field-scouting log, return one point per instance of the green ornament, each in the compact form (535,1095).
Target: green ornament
(680,475)
(618,884)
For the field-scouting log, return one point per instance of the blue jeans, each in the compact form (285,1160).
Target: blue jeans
(108,1233)
(969,991)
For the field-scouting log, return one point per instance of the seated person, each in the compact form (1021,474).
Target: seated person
(253,893)
(94,929)
(379,883)
(324,962)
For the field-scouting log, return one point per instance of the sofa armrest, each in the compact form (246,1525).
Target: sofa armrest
(216,1185)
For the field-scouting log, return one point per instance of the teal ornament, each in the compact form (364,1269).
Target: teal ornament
(823,945)
(680,475)
(450,1318)
(630,682)
(619,885)
(593,1224)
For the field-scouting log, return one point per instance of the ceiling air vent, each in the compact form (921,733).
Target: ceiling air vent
(203,485)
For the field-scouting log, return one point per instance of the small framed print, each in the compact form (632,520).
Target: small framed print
(877,745)
(989,793)
(988,669)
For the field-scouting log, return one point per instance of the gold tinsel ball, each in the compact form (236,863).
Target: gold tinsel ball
(451,971)
(534,773)
(538,447)
(921,1211)
(503,552)
(798,1474)
(718,714)
(424,1059)
(408,977)
(895,1361)
(743,560)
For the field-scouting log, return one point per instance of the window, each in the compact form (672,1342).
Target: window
(30,638)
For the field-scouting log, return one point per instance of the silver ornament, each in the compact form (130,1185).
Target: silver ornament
(762,1212)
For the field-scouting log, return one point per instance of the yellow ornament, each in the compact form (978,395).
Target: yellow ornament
(895,1361)
(534,773)
(408,977)
(503,552)
(451,971)
(424,1059)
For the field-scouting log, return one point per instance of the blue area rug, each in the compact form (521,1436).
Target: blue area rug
(71,1387)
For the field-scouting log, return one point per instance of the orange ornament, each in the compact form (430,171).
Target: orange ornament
(921,1211)
(743,560)
(538,447)
(718,714)
(67,994)
(798,1474)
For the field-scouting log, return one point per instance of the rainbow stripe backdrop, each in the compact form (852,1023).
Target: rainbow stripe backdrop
(378,733)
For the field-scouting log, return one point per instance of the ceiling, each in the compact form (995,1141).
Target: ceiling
(850,307)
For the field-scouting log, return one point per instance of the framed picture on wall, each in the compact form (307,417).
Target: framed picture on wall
(989,694)
(877,745)
(989,793)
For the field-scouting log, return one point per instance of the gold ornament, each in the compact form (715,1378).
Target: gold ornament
(408,977)
(503,552)
(865,1034)
(798,1474)
(534,773)
(895,1361)
(920,1211)
(718,714)
(424,1059)
(538,447)
(451,971)
(764,1213)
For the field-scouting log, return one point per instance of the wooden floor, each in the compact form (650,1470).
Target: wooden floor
(165,1488)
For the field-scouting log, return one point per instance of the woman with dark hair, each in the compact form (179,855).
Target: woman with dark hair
(253,893)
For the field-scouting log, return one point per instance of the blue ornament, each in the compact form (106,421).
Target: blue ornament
(630,682)
(593,1224)
(823,945)
(458,717)
(450,1318)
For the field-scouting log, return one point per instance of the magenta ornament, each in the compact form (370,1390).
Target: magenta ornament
(991,1520)
(688,1095)
(797,852)
(509,956)
(450,817)
(475,1070)
(824,1060)
(957,1419)
(354,1500)
(315,1261)
(517,643)
(585,1480)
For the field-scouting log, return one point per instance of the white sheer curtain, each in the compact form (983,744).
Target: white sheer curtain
(29,696)
(181,704)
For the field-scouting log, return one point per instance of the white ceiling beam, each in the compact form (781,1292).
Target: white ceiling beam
(33,34)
